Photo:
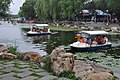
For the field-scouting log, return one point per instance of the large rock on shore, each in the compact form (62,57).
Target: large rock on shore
(7,56)
(84,68)
(3,48)
(99,76)
(32,56)
(61,61)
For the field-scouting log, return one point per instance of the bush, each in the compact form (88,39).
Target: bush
(47,65)
(68,74)
(13,50)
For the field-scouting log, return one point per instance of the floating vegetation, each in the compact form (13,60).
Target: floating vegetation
(101,58)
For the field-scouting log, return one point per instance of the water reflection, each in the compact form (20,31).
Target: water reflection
(52,41)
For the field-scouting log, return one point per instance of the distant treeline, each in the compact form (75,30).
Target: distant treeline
(61,10)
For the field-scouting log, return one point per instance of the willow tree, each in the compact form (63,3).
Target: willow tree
(42,9)
(58,9)
(27,10)
(55,10)
(115,6)
(4,7)
(70,8)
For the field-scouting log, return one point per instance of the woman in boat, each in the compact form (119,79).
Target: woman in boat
(97,39)
(103,40)
(82,40)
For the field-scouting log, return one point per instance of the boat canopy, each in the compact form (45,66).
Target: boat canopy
(95,32)
(41,25)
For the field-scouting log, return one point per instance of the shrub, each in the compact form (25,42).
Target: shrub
(13,50)
(47,64)
(68,74)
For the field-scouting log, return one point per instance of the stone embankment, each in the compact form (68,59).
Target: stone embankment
(15,67)
(114,28)
(23,66)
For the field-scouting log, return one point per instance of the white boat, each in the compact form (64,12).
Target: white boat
(39,29)
(77,46)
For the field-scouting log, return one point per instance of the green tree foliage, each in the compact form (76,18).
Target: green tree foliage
(27,10)
(4,7)
(70,8)
(114,5)
(42,9)
(58,9)
(101,4)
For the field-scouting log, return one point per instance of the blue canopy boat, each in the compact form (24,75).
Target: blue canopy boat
(77,46)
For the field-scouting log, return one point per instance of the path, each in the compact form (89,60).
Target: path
(19,70)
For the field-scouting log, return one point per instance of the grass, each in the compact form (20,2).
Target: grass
(36,75)
(47,65)
(17,76)
(15,71)
(60,28)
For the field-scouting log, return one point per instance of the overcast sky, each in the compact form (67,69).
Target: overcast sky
(15,6)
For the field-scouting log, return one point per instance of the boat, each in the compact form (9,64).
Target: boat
(39,29)
(78,46)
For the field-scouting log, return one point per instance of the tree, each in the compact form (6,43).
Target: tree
(114,5)
(4,7)
(42,9)
(27,10)
(58,9)
(70,8)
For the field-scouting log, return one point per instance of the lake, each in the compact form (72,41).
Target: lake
(15,36)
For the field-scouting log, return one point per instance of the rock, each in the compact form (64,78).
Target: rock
(83,28)
(82,68)
(33,56)
(92,28)
(114,29)
(61,61)
(7,56)
(67,25)
(99,76)
(3,48)
(75,26)
(100,68)
(85,68)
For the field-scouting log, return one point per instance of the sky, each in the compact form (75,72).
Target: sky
(15,6)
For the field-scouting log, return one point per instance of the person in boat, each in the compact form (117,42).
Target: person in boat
(82,40)
(97,39)
(33,29)
(91,42)
(78,36)
(103,40)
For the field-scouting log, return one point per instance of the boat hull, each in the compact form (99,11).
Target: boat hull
(37,33)
(92,48)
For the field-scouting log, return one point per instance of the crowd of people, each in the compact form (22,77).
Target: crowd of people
(97,40)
